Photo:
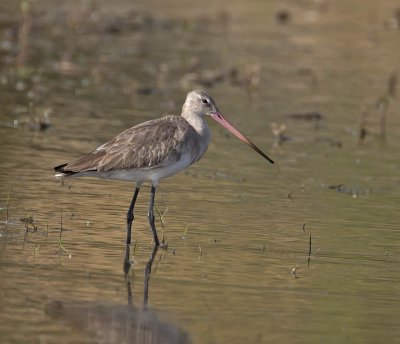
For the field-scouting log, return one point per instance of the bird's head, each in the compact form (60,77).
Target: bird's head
(200,103)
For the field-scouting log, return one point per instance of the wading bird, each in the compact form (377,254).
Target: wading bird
(153,150)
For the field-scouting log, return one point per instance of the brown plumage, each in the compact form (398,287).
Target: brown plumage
(151,144)
(154,150)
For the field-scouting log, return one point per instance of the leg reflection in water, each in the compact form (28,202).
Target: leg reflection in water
(147,273)
(115,323)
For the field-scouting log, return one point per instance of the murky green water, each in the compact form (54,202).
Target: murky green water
(241,274)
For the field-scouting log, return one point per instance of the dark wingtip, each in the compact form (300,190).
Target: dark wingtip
(60,168)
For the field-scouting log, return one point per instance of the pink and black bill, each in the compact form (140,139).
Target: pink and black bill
(225,123)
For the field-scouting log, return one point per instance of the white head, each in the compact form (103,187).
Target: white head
(200,103)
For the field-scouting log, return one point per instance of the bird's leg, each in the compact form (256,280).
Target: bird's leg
(151,215)
(129,220)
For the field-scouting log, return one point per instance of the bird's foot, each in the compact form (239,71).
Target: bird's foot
(127,265)
(163,245)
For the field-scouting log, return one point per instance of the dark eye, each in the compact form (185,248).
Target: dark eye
(204,100)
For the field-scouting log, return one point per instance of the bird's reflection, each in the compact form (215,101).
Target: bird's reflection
(147,274)
(109,323)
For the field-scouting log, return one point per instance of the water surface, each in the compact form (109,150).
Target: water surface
(236,269)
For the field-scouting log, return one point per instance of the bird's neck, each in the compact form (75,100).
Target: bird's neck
(199,124)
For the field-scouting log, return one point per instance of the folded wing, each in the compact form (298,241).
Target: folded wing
(148,145)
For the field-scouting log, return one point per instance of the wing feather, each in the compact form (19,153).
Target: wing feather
(148,145)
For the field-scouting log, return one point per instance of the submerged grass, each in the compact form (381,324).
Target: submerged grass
(6,209)
(161,215)
(61,247)
(185,232)
(30,234)
(294,270)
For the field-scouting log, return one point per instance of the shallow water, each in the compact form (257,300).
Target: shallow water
(238,229)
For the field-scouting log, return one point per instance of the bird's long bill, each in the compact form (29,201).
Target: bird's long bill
(225,123)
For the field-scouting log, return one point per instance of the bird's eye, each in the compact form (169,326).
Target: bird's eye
(204,100)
